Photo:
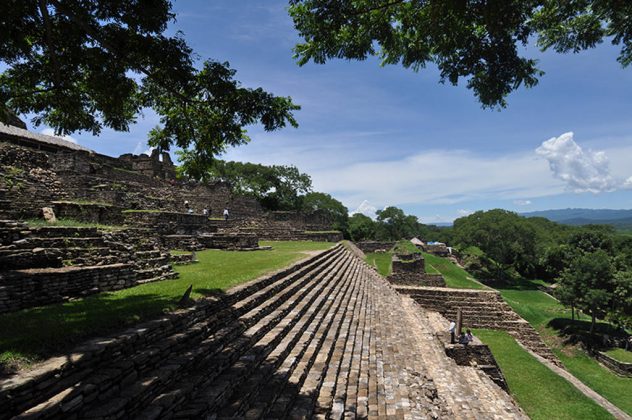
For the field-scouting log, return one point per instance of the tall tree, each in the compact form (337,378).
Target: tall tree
(361,227)
(332,208)
(505,237)
(84,65)
(478,41)
(589,284)
(276,187)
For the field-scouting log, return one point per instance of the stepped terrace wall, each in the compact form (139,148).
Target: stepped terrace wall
(373,246)
(324,338)
(480,309)
(410,269)
(21,289)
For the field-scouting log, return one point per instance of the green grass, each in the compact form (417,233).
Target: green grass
(142,211)
(381,261)
(621,355)
(81,202)
(321,231)
(546,315)
(32,334)
(71,223)
(455,277)
(541,393)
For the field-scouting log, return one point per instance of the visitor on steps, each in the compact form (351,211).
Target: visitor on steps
(469,336)
(205,212)
(451,330)
(186,205)
(463,339)
(225,214)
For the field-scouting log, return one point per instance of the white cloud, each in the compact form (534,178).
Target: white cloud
(51,132)
(365,208)
(522,202)
(464,212)
(581,170)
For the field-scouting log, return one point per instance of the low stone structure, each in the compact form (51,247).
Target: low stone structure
(374,246)
(44,265)
(480,309)
(621,368)
(101,213)
(26,288)
(410,269)
(325,337)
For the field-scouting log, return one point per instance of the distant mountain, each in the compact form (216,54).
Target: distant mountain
(620,219)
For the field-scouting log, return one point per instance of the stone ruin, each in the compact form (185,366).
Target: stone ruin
(410,269)
(325,338)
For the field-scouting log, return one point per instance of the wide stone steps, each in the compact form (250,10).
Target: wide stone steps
(326,338)
(269,351)
(221,323)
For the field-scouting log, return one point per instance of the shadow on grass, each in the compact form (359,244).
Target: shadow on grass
(36,333)
(578,331)
(519,285)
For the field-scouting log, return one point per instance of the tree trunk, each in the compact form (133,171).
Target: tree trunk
(572,313)
(592,324)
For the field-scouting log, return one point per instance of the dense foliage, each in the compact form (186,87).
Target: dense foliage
(276,187)
(590,263)
(392,224)
(85,65)
(481,42)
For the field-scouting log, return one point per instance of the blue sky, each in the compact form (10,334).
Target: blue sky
(375,136)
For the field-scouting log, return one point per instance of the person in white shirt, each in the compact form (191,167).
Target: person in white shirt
(452,329)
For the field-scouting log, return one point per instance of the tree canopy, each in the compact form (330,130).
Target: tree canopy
(85,65)
(480,42)
(276,187)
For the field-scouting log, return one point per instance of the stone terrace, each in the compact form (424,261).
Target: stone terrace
(480,309)
(325,338)
(46,265)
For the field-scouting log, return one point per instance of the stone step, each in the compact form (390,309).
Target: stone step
(64,232)
(211,349)
(17,393)
(211,384)
(298,367)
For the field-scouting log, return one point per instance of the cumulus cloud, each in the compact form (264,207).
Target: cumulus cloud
(464,212)
(581,170)
(522,202)
(365,208)
(51,132)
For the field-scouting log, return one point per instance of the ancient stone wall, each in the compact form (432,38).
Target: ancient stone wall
(102,213)
(374,246)
(479,356)
(615,365)
(410,270)
(42,286)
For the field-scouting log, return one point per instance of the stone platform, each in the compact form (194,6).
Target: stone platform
(325,338)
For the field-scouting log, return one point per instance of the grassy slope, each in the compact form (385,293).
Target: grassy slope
(455,277)
(620,355)
(34,333)
(540,392)
(380,260)
(539,309)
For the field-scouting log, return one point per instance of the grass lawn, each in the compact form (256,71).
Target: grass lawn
(621,355)
(381,261)
(455,277)
(71,223)
(32,334)
(546,314)
(541,393)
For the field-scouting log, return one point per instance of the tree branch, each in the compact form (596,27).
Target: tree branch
(43,6)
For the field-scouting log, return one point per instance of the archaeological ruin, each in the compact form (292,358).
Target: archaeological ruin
(326,337)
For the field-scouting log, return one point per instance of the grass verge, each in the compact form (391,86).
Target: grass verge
(546,315)
(455,277)
(621,355)
(541,393)
(381,261)
(35,333)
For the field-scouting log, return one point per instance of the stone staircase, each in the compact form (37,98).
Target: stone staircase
(324,338)
(51,264)
(480,309)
